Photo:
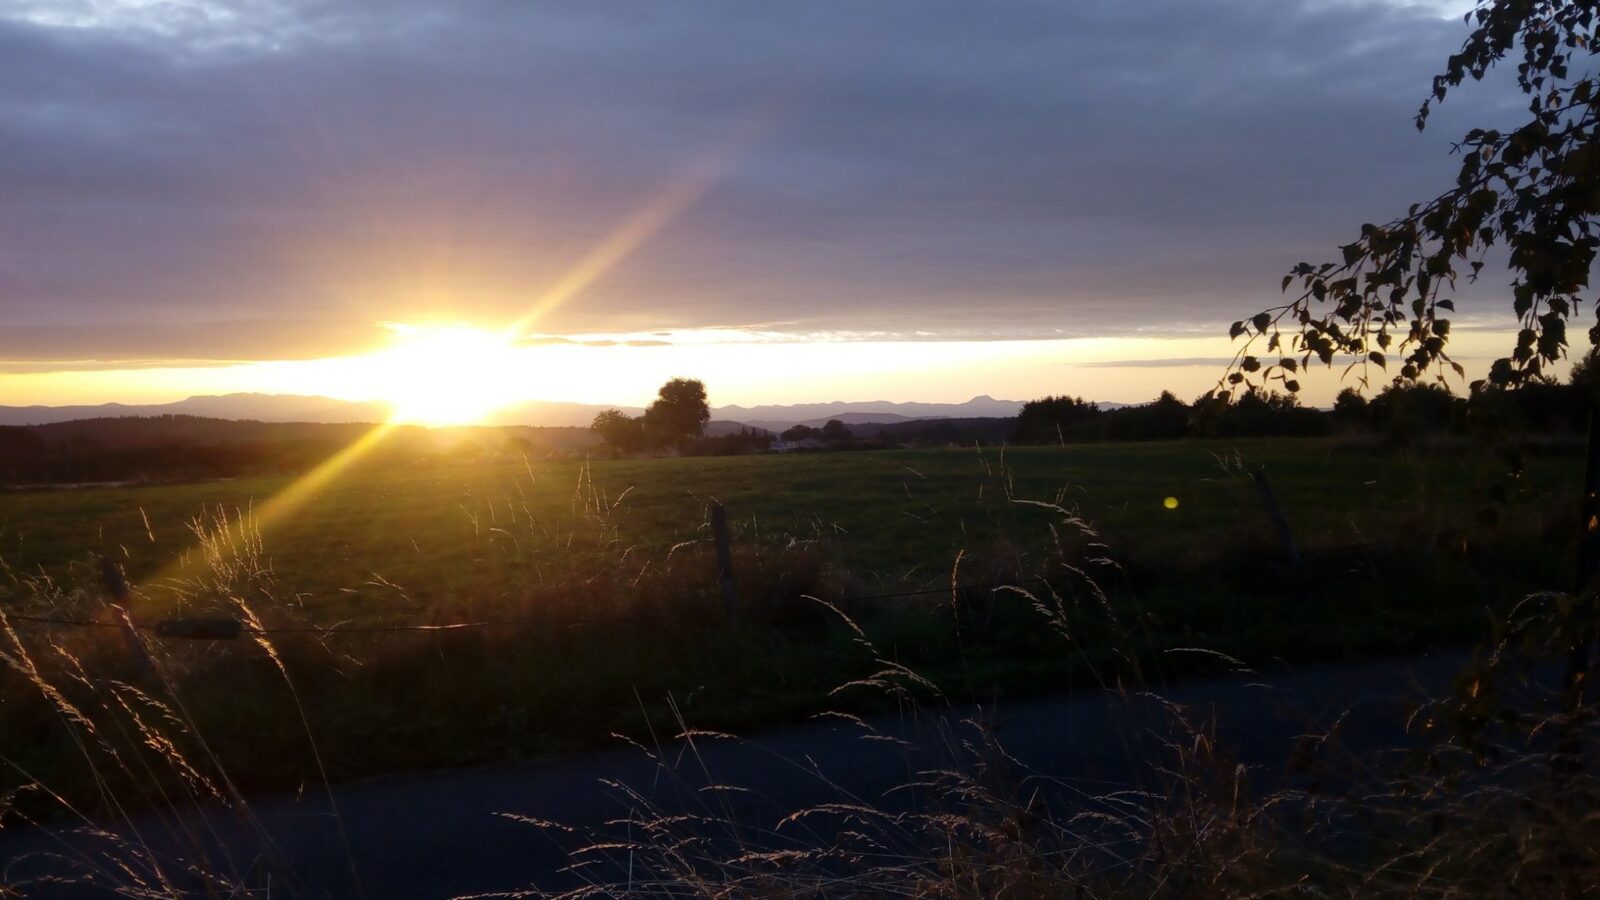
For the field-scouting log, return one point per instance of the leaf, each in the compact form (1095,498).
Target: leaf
(1446,304)
(1377,357)
(1292,385)
(1235,329)
(1522,299)
(1250,364)
(1261,321)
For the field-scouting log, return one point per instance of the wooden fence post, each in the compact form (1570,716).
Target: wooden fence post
(1275,514)
(117,596)
(719,534)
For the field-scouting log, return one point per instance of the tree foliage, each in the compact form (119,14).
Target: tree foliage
(1047,419)
(679,412)
(676,417)
(620,431)
(1532,189)
(835,431)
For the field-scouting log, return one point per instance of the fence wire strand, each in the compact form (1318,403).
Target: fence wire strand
(509,623)
(244,628)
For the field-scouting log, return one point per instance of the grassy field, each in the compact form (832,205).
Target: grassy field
(1402,549)
(472,532)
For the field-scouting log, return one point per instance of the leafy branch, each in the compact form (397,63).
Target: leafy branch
(1535,189)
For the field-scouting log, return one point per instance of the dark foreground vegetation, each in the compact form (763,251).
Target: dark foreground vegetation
(1069,570)
(607,576)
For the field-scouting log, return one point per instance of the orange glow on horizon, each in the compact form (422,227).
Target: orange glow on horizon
(450,375)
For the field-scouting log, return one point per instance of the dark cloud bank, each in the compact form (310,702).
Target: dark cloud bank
(272,182)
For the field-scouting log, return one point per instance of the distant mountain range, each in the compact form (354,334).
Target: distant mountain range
(777,418)
(292,408)
(256,407)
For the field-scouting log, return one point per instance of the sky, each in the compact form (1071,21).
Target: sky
(835,200)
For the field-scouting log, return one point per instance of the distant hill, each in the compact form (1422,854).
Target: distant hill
(253,407)
(777,418)
(720,427)
(292,408)
(986,430)
(295,408)
(181,448)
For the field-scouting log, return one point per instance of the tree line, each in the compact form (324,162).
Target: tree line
(1402,412)
(674,422)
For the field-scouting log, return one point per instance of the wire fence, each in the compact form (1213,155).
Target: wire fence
(222,628)
(226,628)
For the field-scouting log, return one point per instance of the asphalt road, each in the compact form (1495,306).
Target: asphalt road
(444,834)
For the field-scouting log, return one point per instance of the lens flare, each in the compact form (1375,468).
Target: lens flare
(453,375)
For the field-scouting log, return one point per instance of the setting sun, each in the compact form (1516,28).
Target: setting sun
(444,375)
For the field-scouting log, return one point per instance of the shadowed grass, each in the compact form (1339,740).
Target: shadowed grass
(612,625)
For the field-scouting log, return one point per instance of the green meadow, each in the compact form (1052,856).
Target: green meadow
(1142,549)
(472,532)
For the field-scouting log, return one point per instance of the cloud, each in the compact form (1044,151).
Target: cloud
(1217,362)
(943,169)
(214,341)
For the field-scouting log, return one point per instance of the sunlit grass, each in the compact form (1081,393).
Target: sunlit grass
(658,657)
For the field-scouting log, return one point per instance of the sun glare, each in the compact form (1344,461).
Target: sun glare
(449,375)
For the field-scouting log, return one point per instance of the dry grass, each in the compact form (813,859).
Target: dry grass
(1470,809)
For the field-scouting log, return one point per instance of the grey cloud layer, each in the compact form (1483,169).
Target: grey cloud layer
(969,170)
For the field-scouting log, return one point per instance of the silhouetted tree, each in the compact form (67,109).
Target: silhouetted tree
(1045,421)
(1259,413)
(835,432)
(679,412)
(1163,420)
(621,432)
(1350,408)
(1406,411)
(1585,374)
(745,440)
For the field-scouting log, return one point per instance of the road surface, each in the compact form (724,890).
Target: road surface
(443,834)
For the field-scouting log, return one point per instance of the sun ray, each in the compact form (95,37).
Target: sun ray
(667,205)
(286,502)
(677,196)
